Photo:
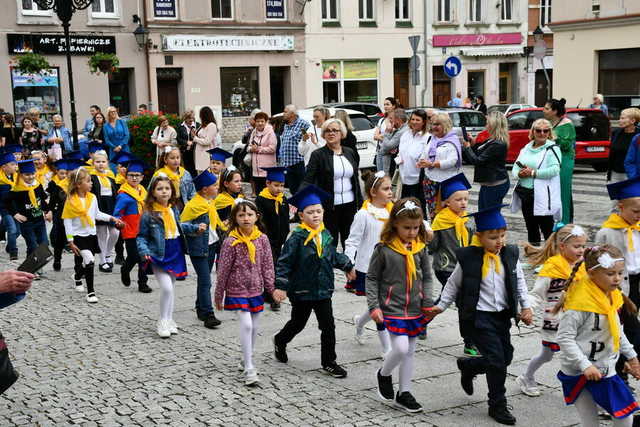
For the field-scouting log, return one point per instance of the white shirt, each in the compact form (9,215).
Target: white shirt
(364,235)
(447,155)
(74,226)
(631,258)
(342,174)
(493,293)
(305,148)
(411,149)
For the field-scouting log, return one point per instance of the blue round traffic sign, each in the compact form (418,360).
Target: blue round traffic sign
(452,66)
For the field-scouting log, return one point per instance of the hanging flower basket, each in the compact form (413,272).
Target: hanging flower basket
(103,63)
(31,63)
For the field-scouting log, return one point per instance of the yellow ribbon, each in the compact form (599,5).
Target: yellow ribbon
(224,200)
(175,177)
(75,207)
(199,206)
(277,199)
(21,186)
(615,221)
(62,183)
(487,258)
(103,177)
(247,240)
(410,263)
(120,179)
(41,174)
(138,193)
(315,234)
(4,179)
(446,219)
(557,267)
(170,226)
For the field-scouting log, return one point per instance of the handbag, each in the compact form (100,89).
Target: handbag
(8,375)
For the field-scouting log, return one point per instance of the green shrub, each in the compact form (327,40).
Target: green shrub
(141,127)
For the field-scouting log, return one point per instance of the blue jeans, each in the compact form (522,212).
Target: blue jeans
(203,266)
(34,233)
(13,231)
(492,196)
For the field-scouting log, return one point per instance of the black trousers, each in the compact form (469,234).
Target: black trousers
(338,221)
(300,312)
(463,327)
(120,246)
(634,289)
(259,183)
(490,333)
(131,260)
(535,224)
(295,176)
(416,191)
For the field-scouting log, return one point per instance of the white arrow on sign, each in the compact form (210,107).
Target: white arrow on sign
(451,65)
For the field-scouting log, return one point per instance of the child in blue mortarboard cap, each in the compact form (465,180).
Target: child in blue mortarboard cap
(8,179)
(218,160)
(489,284)
(304,274)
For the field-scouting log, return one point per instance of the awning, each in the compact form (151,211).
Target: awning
(492,51)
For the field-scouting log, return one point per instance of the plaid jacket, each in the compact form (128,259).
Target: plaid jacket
(291,135)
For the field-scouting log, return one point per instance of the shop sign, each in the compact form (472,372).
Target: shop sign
(360,69)
(55,44)
(275,9)
(227,43)
(476,39)
(46,78)
(330,70)
(164,9)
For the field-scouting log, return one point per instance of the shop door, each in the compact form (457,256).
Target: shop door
(280,83)
(541,92)
(441,87)
(401,80)
(119,90)
(507,84)
(331,92)
(169,80)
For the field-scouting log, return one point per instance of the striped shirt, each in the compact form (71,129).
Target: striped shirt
(291,135)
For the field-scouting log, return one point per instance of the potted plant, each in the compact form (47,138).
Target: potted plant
(31,63)
(103,63)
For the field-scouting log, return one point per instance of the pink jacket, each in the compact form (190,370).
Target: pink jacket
(266,155)
(237,277)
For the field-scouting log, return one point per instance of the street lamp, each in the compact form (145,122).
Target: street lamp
(539,52)
(140,33)
(65,10)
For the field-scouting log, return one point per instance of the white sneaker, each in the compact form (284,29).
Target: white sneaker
(528,388)
(173,328)
(359,332)
(241,366)
(251,376)
(92,298)
(80,288)
(163,329)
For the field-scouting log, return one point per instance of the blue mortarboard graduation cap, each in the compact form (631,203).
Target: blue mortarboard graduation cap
(309,195)
(7,158)
(205,179)
(455,183)
(135,165)
(74,155)
(122,158)
(27,166)
(219,154)
(275,173)
(624,189)
(96,146)
(14,148)
(489,219)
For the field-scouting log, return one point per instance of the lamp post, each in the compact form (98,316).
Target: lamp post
(539,52)
(65,10)
(144,43)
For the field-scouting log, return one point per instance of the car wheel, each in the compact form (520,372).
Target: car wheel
(600,167)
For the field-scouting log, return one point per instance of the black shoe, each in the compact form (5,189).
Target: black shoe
(275,306)
(502,415)
(144,288)
(181,279)
(110,265)
(385,387)
(335,370)
(119,259)
(105,268)
(125,279)
(406,401)
(466,379)
(280,351)
(13,256)
(57,266)
(211,322)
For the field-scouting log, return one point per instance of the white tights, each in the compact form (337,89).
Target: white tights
(107,239)
(248,332)
(401,354)
(536,362)
(588,412)
(166,282)
(383,336)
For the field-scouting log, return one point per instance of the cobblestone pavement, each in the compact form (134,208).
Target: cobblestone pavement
(104,364)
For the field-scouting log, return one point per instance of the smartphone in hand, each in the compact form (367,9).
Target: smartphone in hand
(520,165)
(465,135)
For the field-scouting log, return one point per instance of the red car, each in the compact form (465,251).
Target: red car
(592,134)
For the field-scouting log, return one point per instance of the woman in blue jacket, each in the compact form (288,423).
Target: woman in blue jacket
(116,133)
(628,132)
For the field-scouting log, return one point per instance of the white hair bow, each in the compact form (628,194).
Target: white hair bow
(606,261)
(409,205)
(378,175)
(576,231)
(168,149)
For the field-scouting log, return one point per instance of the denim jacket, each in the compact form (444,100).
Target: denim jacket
(150,240)
(65,134)
(198,244)
(187,189)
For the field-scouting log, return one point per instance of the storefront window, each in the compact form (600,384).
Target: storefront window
(240,93)
(41,91)
(475,84)
(619,79)
(349,81)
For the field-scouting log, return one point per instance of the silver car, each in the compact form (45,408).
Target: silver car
(473,121)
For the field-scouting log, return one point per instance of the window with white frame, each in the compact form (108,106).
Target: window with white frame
(545,12)
(222,9)
(475,11)
(29,7)
(329,10)
(506,10)
(104,9)
(402,10)
(444,11)
(366,10)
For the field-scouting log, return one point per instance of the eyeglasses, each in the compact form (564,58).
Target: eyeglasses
(332,131)
(542,130)
(134,175)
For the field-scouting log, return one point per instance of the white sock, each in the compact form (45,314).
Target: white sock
(545,355)
(165,281)
(406,367)
(399,349)
(363,319)
(112,238)
(246,338)
(385,341)
(255,318)
(102,233)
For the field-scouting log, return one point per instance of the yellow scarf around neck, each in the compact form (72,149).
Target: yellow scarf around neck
(62,183)
(487,258)
(21,186)
(138,193)
(446,219)
(367,205)
(277,199)
(616,222)
(170,226)
(586,296)
(4,179)
(199,206)
(120,179)
(224,200)
(175,177)
(41,174)
(103,177)
(410,263)
(557,267)
(315,234)
(247,240)
(76,207)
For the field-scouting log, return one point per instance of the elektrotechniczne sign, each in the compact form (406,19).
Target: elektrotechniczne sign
(199,43)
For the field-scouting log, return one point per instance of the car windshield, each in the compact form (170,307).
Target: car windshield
(469,119)
(360,122)
(501,108)
(590,125)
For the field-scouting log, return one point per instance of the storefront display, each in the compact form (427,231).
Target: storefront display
(350,81)
(240,92)
(41,91)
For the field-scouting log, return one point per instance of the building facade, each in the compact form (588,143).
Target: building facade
(540,70)
(597,50)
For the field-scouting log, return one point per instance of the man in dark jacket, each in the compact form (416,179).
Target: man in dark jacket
(186,132)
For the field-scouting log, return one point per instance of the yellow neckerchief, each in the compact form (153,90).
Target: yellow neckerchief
(170,226)
(138,193)
(4,179)
(585,295)
(89,166)
(315,234)
(410,263)
(487,258)
(199,206)
(446,219)
(276,199)
(557,267)
(175,177)
(62,183)
(372,210)
(616,222)
(21,186)
(120,179)
(224,200)
(75,207)
(41,174)
(247,240)
(103,177)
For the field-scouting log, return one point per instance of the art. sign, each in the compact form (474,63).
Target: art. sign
(275,9)
(164,9)
(55,44)
(447,40)
(226,43)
